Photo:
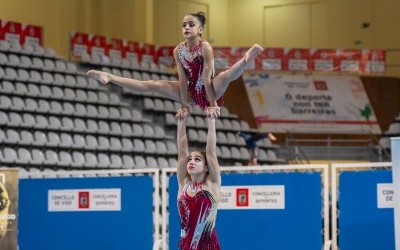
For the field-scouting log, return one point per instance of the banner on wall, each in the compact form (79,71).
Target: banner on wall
(222,57)
(349,60)
(373,61)
(32,35)
(11,32)
(97,45)
(147,52)
(252,197)
(8,208)
(68,200)
(297,59)
(114,49)
(271,59)
(79,44)
(165,55)
(132,51)
(311,104)
(323,60)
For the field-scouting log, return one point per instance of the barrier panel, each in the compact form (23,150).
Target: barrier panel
(88,213)
(287,208)
(362,217)
(395,143)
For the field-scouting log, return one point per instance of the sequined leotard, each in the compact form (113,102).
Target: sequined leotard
(197,215)
(193,63)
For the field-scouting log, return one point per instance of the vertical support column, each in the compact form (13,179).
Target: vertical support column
(149,21)
(396,187)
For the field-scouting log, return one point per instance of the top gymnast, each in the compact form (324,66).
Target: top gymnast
(195,65)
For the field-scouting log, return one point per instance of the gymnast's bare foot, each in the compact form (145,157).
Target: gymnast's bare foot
(253,52)
(271,137)
(100,76)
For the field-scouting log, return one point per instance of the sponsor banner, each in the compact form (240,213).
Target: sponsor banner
(114,49)
(68,200)
(165,55)
(222,57)
(385,195)
(323,60)
(147,52)
(32,35)
(11,32)
(373,61)
(8,208)
(296,59)
(252,197)
(271,59)
(311,104)
(132,50)
(349,60)
(97,45)
(79,44)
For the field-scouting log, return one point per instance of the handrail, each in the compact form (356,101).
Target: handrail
(371,142)
(298,148)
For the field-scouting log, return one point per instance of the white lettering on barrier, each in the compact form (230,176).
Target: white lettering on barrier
(385,195)
(84,200)
(252,197)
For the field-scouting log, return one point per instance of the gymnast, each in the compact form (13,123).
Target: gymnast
(195,66)
(199,182)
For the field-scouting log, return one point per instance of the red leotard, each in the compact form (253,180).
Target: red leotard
(193,62)
(197,215)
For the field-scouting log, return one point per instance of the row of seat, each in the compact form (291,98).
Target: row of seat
(78,160)
(242,153)
(69,80)
(393,130)
(17,108)
(83,126)
(168,106)
(385,142)
(59,94)
(144,76)
(49,78)
(126,140)
(86,142)
(46,64)
(124,63)
(27,49)
(201,123)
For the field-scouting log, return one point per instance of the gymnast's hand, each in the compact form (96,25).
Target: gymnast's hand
(213,112)
(100,76)
(182,113)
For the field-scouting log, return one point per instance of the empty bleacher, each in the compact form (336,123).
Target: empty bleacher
(53,117)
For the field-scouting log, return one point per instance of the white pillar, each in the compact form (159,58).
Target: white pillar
(396,187)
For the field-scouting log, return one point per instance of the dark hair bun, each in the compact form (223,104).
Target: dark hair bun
(201,16)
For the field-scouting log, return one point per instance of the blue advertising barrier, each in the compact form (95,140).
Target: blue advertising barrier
(362,225)
(130,228)
(298,226)
(395,142)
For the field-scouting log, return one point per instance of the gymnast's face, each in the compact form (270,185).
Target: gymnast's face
(4,205)
(191,27)
(196,163)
